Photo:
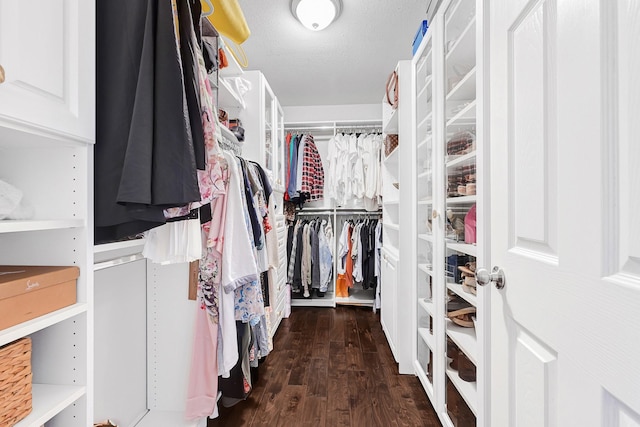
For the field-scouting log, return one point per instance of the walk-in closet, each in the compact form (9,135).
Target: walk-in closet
(319,213)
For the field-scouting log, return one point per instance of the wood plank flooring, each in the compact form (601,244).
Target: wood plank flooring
(331,367)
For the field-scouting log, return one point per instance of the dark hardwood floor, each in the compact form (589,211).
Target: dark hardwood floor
(331,367)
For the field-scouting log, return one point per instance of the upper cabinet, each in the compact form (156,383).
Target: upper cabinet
(451,324)
(47,77)
(263,122)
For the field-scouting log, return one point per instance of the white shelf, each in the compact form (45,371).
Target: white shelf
(465,88)
(424,121)
(391,126)
(48,401)
(428,339)
(390,226)
(464,160)
(447,420)
(15,226)
(429,307)
(326,301)
(392,252)
(425,268)
(427,84)
(457,288)
(391,203)
(467,390)
(25,328)
(426,237)
(457,12)
(464,48)
(392,157)
(461,200)
(423,62)
(165,419)
(427,202)
(465,248)
(422,375)
(425,174)
(423,143)
(114,246)
(465,116)
(465,338)
(227,96)
(359,297)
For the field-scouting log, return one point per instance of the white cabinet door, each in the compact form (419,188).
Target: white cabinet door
(565,201)
(388,298)
(47,50)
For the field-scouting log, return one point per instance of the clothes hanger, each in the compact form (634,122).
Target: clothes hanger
(210,6)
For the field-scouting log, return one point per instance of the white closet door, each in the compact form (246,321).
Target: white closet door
(565,201)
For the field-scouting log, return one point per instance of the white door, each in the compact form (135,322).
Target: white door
(565,212)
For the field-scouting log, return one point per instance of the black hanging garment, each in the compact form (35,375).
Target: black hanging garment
(145,160)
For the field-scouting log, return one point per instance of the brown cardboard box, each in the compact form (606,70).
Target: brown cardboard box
(27,292)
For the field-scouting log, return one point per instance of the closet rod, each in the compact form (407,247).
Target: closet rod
(286,127)
(320,211)
(359,127)
(117,261)
(357,212)
(348,127)
(332,125)
(304,213)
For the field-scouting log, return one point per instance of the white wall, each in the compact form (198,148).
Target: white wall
(318,113)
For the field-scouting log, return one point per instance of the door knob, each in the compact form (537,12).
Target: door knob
(1,74)
(483,277)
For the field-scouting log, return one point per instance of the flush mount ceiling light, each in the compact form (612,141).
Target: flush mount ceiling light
(316,15)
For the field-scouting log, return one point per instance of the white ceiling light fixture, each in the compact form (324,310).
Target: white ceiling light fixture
(316,15)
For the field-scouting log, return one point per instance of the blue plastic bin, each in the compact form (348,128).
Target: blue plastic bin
(419,35)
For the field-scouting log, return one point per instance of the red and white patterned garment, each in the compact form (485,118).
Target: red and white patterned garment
(312,185)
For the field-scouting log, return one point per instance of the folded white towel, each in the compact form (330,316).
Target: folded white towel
(12,203)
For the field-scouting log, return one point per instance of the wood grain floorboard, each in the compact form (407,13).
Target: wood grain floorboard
(314,413)
(318,376)
(337,358)
(331,368)
(338,410)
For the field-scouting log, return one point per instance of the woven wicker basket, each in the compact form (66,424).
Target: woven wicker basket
(15,381)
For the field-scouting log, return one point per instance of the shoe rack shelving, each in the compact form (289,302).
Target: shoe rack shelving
(447,140)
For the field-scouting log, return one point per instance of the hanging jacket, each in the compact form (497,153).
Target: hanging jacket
(145,159)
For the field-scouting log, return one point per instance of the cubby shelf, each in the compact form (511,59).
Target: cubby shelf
(468,390)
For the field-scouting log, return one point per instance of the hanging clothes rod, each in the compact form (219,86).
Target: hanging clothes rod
(349,127)
(318,213)
(339,211)
(344,124)
(360,127)
(357,212)
(118,261)
(297,128)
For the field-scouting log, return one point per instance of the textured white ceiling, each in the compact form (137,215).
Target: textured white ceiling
(347,63)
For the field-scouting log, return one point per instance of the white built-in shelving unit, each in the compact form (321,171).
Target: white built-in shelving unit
(47,132)
(396,235)
(447,100)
